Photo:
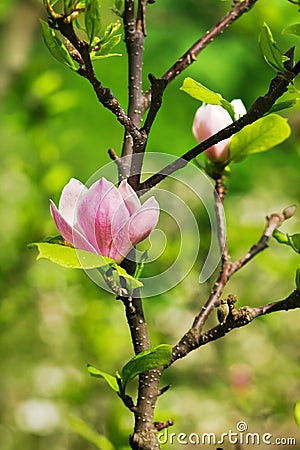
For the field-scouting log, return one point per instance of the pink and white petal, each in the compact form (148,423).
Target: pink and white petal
(143,222)
(64,227)
(130,198)
(69,234)
(111,217)
(87,208)
(121,245)
(69,197)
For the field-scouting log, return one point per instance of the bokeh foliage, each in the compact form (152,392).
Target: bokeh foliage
(53,321)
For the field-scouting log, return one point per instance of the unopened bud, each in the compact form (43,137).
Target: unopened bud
(289,211)
(223,311)
(210,119)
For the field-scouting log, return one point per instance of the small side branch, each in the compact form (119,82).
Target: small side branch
(261,106)
(194,338)
(134,39)
(274,221)
(238,9)
(240,318)
(104,95)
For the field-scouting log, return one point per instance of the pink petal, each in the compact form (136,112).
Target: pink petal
(61,223)
(68,199)
(138,228)
(130,198)
(210,119)
(69,234)
(143,222)
(98,208)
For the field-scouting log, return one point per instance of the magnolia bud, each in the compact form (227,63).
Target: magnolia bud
(210,119)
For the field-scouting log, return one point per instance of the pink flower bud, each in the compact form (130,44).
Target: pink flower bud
(209,119)
(104,219)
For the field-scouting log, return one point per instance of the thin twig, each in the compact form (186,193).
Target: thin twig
(134,39)
(193,336)
(261,106)
(104,95)
(242,317)
(238,9)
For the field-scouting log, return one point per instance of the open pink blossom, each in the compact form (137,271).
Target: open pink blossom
(209,119)
(104,219)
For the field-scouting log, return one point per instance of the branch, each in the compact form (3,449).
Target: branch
(194,336)
(261,106)
(219,193)
(134,39)
(238,9)
(104,95)
(237,319)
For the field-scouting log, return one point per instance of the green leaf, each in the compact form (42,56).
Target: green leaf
(110,379)
(146,360)
(131,282)
(68,4)
(260,136)
(269,49)
(292,29)
(91,435)
(70,257)
(279,106)
(205,95)
(298,285)
(280,237)
(294,241)
(56,47)
(200,92)
(297,413)
(118,7)
(109,31)
(108,45)
(92,19)
(140,265)
(109,55)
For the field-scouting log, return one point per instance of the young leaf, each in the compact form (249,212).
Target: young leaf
(280,237)
(110,379)
(146,360)
(109,31)
(131,282)
(297,413)
(56,47)
(205,95)
(109,55)
(260,136)
(118,7)
(70,257)
(298,287)
(91,435)
(92,19)
(279,106)
(108,45)
(294,241)
(200,92)
(269,49)
(292,29)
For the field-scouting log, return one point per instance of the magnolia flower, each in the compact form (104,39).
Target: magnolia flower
(104,219)
(209,119)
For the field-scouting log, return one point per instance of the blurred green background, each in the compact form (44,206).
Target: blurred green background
(53,321)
